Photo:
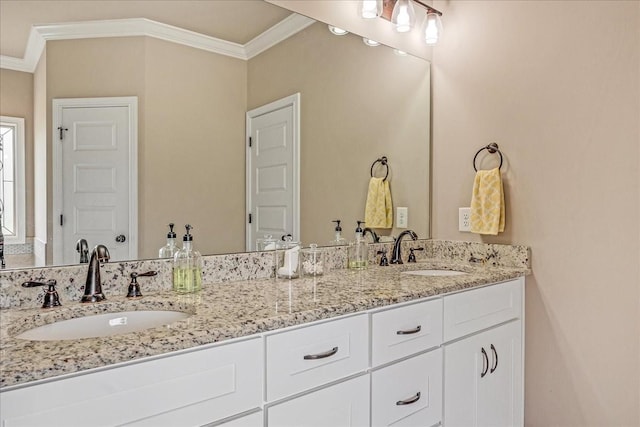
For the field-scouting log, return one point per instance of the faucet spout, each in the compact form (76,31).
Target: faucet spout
(397,255)
(374,235)
(93,286)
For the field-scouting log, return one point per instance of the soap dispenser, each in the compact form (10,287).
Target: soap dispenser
(187,266)
(170,249)
(358,250)
(338,240)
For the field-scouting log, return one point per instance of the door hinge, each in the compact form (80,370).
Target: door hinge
(61,129)
(250,218)
(61,220)
(250,142)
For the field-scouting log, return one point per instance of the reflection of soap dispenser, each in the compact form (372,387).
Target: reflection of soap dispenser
(170,249)
(338,240)
(187,266)
(358,250)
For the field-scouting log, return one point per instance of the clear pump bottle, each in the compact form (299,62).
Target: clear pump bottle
(358,255)
(187,266)
(338,240)
(169,250)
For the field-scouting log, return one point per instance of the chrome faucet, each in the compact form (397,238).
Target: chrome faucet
(396,257)
(93,287)
(83,249)
(374,236)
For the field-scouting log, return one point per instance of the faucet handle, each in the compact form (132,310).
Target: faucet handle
(412,255)
(134,287)
(384,262)
(51,297)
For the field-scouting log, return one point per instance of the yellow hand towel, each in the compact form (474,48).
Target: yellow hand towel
(487,203)
(378,211)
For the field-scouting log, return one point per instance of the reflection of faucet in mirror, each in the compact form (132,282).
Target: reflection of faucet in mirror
(374,236)
(82,247)
(93,287)
(397,255)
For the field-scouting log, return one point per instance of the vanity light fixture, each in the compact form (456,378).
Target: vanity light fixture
(370,9)
(432,28)
(402,15)
(337,31)
(370,42)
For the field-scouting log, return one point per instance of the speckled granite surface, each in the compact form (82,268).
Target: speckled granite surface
(238,299)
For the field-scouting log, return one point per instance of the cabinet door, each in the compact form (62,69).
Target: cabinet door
(483,378)
(344,404)
(408,393)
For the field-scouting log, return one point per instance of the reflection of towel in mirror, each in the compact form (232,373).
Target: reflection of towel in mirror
(378,211)
(487,203)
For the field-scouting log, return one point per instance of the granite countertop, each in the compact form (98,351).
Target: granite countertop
(220,312)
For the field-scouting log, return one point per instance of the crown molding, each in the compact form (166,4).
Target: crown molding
(132,27)
(284,29)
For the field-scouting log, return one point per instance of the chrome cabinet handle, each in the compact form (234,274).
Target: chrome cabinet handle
(495,353)
(326,354)
(410,331)
(485,363)
(409,401)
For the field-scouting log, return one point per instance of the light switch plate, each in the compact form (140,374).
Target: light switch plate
(402,217)
(464,219)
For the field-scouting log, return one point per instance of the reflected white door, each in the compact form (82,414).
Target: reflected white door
(273,157)
(96,177)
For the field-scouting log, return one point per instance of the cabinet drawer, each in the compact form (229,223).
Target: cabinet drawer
(471,311)
(404,331)
(192,388)
(344,404)
(310,356)
(408,393)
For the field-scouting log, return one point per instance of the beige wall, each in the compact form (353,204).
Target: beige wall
(190,145)
(343,134)
(557,87)
(16,100)
(193,161)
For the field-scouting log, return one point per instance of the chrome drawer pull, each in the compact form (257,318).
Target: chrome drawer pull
(329,353)
(410,331)
(409,401)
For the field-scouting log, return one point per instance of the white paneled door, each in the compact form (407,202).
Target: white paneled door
(273,199)
(95,177)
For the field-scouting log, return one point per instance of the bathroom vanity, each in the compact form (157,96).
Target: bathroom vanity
(369,347)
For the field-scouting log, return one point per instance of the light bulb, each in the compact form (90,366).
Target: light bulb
(403,16)
(371,9)
(433,28)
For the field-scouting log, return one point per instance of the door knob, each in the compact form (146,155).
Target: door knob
(121,238)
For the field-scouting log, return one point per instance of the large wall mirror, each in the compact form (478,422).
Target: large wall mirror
(357,103)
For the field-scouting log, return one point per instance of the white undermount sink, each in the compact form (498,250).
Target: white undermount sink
(434,272)
(102,325)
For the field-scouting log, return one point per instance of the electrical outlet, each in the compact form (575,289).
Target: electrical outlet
(402,217)
(464,219)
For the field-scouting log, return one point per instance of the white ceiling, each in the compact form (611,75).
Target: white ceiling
(238,21)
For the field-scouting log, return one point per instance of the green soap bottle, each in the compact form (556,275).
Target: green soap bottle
(187,266)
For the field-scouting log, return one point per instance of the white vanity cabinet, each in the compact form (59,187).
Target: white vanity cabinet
(382,367)
(483,360)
